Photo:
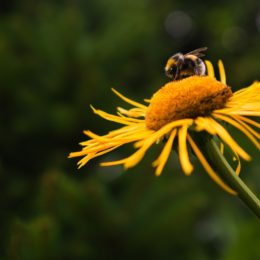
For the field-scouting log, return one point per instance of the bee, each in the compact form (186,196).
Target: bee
(181,66)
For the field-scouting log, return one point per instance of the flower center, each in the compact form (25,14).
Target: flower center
(187,98)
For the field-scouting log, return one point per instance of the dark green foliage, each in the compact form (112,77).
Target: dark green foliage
(56,58)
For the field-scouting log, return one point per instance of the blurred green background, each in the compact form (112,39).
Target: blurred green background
(56,58)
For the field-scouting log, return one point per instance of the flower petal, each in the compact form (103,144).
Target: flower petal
(226,137)
(240,127)
(128,100)
(208,168)
(183,151)
(163,157)
(210,69)
(222,72)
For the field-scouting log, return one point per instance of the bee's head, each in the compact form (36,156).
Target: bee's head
(173,65)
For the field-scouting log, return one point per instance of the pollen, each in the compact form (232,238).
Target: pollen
(187,98)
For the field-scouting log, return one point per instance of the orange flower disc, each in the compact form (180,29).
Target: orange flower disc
(187,98)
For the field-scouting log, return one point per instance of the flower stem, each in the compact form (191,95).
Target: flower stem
(225,171)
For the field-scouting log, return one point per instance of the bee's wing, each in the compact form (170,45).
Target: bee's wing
(197,52)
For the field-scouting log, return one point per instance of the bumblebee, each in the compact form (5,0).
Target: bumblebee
(181,66)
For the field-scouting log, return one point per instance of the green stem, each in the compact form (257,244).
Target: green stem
(225,171)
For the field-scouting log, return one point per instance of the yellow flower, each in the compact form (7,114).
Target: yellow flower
(176,111)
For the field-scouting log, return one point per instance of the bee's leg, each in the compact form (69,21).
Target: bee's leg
(179,66)
(177,74)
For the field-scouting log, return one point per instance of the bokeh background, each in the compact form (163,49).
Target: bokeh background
(56,58)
